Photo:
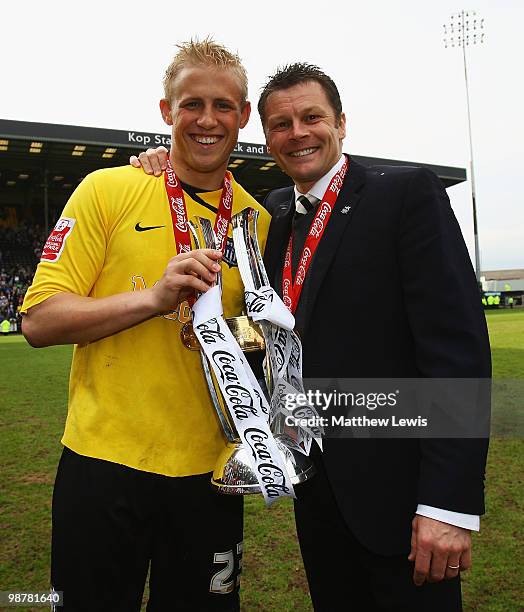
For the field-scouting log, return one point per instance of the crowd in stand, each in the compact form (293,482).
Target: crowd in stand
(20,250)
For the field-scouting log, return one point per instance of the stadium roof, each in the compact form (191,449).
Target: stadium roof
(66,153)
(502,275)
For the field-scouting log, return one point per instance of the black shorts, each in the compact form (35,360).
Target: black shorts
(111,524)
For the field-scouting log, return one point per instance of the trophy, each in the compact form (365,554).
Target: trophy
(234,473)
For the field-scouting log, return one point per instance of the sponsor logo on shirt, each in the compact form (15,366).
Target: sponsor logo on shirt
(145,228)
(56,242)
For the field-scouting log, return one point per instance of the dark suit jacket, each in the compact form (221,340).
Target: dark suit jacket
(397,270)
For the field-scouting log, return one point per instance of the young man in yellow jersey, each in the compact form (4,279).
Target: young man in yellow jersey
(132,489)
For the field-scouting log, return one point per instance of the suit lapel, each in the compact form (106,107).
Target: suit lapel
(280,230)
(341,216)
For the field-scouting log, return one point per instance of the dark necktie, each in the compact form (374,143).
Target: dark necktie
(305,203)
(301,225)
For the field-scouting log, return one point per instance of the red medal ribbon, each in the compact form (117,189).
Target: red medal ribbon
(291,290)
(177,207)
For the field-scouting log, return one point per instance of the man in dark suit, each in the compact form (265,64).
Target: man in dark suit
(375,501)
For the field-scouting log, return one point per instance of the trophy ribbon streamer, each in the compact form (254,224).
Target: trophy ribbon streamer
(283,363)
(284,351)
(244,399)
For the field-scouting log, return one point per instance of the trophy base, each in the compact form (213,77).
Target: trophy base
(233,474)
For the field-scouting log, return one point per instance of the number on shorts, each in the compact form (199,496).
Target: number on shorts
(222,582)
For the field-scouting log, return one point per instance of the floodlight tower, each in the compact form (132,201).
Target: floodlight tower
(465,29)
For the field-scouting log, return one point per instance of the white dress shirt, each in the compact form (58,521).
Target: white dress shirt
(466,521)
(316,193)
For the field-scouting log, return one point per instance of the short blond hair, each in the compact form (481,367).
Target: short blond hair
(205,53)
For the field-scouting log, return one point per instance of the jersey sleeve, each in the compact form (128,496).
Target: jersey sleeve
(74,253)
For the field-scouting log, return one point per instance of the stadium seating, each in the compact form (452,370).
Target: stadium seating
(20,249)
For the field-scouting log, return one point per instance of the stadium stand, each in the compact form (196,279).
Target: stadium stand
(20,249)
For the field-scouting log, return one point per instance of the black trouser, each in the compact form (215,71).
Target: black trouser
(344,575)
(111,523)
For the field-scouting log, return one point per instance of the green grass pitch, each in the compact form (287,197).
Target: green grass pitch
(33,397)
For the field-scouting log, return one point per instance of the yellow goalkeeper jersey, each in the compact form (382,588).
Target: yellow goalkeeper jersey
(138,397)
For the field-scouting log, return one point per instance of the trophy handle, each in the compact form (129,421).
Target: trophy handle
(250,232)
(251,227)
(251,258)
(203,227)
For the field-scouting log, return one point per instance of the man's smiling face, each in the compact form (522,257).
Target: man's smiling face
(303,133)
(205,111)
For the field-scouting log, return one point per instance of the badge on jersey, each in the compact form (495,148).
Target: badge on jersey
(230,257)
(55,243)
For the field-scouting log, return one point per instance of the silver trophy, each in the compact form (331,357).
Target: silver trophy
(233,473)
